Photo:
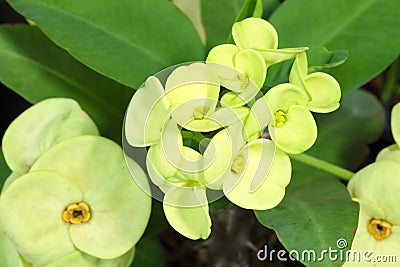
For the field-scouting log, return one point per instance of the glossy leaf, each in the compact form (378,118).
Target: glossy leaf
(321,58)
(219,15)
(42,70)
(316,212)
(368,29)
(125,40)
(344,134)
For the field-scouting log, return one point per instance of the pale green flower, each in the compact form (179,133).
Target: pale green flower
(10,257)
(259,35)
(40,127)
(392,152)
(322,89)
(376,188)
(193,92)
(242,71)
(253,175)
(78,258)
(291,126)
(395,123)
(259,116)
(255,50)
(146,115)
(177,170)
(190,98)
(9,254)
(9,180)
(78,195)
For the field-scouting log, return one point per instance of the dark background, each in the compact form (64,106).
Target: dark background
(11,104)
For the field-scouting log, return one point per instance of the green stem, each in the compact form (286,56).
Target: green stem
(391,81)
(323,165)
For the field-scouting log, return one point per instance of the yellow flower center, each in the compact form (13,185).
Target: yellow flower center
(280,119)
(192,183)
(379,228)
(199,112)
(245,81)
(77,213)
(237,164)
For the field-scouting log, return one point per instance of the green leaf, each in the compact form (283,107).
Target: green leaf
(4,170)
(148,253)
(316,212)
(251,8)
(219,15)
(344,134)
(218,24)
(321,58)
(269,7)
(368,29)
(125,40)
(35,68)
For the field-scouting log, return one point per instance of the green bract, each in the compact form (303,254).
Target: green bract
(395,123)
(9,255)
(322,89)
(242,71)
(193,93)
(83,169)
(41,126)
(255,50)
(190,97)
(146,114)
(375,188)
(177,171)
(291,126)
(392,152)
(10,179)
(78,258)
(259,35)
(253,175)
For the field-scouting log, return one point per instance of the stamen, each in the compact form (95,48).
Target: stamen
(379,228)
(280,119)
(200,112)
(245,81)
(237,165)
(77,213)
(192,183)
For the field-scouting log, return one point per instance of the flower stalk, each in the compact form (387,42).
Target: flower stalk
(323,165)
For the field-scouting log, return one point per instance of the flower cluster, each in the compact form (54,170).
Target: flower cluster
(376,189)
(219,103)
(70,200)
